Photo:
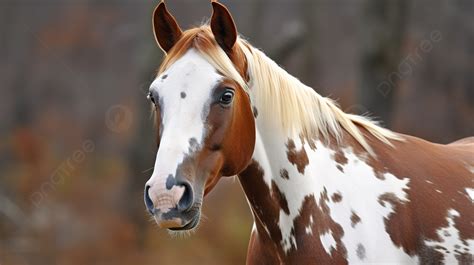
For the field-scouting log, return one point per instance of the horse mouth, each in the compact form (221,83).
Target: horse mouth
(175,220)
(190,225)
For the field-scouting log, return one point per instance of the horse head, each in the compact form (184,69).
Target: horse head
(206,126)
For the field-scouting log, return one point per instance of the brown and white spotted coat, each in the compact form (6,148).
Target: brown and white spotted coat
(411,204)
(314,201)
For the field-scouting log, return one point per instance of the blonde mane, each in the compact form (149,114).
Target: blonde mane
(276,93)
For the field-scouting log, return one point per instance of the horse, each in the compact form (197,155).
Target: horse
(324,186)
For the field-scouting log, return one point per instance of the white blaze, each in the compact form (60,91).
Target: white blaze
(183,118)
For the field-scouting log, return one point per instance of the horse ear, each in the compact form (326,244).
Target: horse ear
(166,29)
(223,27)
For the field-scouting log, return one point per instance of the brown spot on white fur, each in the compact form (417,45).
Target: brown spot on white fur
(388,198)
(340,158)
(280,198)
(355,219)
(284,174)
(266,207)
(266,210)
(360,251)
(336,197)
(297,158)
(255,111)
(322,224)
(339,167)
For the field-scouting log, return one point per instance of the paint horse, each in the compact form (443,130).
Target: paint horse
(324,186)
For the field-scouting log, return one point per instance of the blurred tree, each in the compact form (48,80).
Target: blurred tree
(257,19)
(384,24)
(308,13)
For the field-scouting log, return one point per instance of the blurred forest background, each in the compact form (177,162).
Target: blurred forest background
(77,142)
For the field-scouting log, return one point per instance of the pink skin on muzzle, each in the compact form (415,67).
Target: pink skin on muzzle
(164,200)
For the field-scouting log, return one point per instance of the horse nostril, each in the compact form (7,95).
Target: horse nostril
(186,200)
(148,202)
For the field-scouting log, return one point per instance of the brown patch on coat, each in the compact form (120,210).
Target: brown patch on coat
(340,158)
(298,158)
(261,250)
(340,168)
(310,247)
(284,174)
(266,211)
(429,255)
(336,197)
(390,198)
(379,175)
(265,248)
(360,251)
(329,225)
(464,258)
(255,111)
(355,219)
(280,198)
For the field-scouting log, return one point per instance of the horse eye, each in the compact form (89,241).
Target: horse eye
(150,97)
(227,97)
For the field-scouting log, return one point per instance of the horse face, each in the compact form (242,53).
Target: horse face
(206,129)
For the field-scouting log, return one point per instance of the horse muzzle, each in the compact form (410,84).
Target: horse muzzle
(172,204)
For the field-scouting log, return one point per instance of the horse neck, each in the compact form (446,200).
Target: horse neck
(273,186)
(292,183)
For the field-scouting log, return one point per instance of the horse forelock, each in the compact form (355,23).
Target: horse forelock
(232,64)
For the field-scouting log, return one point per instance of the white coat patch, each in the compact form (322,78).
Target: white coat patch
(450,243)
(328,242)
(309,228)
(470,192)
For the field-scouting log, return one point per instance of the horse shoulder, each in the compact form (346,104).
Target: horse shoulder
(436,220)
